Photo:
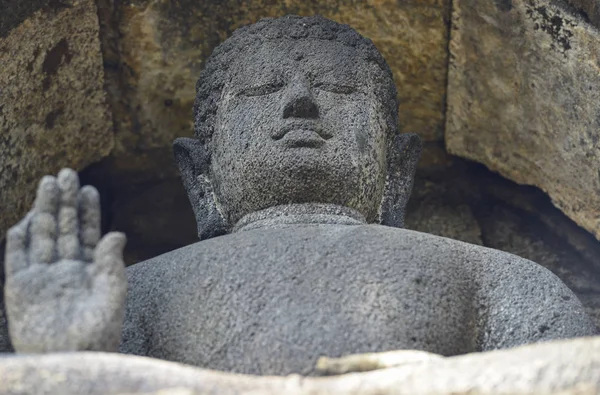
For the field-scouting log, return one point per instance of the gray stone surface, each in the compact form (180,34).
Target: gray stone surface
(523,98)
(311,106)
(520,233)
(442,207)
(153,52)
(297,152)
(289,293)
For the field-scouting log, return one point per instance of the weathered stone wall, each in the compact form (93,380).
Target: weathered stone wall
(589,9)
(53,111)
(523,99)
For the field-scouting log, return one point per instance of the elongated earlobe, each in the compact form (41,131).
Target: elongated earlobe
(193,161)
(402,164)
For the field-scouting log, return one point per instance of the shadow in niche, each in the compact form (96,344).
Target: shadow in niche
(88,177)
(155,215)
(537,215)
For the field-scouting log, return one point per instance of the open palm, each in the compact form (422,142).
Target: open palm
(65,287)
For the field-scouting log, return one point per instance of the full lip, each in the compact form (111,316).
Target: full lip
(302,131)
(297,138)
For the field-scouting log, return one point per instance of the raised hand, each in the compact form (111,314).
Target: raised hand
(65,288)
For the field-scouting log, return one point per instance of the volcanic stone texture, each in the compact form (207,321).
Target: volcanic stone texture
(523,98)
(53,112)
(154,52)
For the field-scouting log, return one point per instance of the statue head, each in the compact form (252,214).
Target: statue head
(296,110)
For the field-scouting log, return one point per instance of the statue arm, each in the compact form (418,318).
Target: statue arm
(135,336)
(522,302)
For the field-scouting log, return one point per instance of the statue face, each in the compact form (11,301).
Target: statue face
(298,122)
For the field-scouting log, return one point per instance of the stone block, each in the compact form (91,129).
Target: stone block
(53,111)
(523,98)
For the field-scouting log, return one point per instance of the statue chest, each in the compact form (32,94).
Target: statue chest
(274,306)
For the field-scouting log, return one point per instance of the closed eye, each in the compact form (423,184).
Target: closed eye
(335,88)
(261,90)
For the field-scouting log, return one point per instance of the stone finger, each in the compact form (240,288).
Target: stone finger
(108,256)
(68,183)
(68,226)
(48,196)
(42,233)
(68,229)
(16,247)
(89,220)
(42,228)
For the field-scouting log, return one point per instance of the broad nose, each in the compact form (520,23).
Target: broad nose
(299,101)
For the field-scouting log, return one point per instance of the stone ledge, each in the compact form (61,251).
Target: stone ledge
(558,367)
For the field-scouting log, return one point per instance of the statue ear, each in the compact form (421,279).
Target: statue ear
(193,161)
(404,155)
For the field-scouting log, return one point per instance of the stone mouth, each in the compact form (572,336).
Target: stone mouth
(303,130)
(303,138)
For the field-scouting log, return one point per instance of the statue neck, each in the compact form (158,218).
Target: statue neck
(305,213)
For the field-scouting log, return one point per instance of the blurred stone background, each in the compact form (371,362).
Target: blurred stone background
(504,93)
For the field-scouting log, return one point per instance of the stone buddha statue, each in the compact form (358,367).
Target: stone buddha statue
(298,177)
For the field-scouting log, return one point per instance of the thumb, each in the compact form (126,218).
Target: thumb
(108,254)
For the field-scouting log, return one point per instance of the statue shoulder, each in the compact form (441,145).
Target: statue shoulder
(151,281)
(426,242)
(179,257)
(521,302)
(164,270)
(518,301)
(507,270)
